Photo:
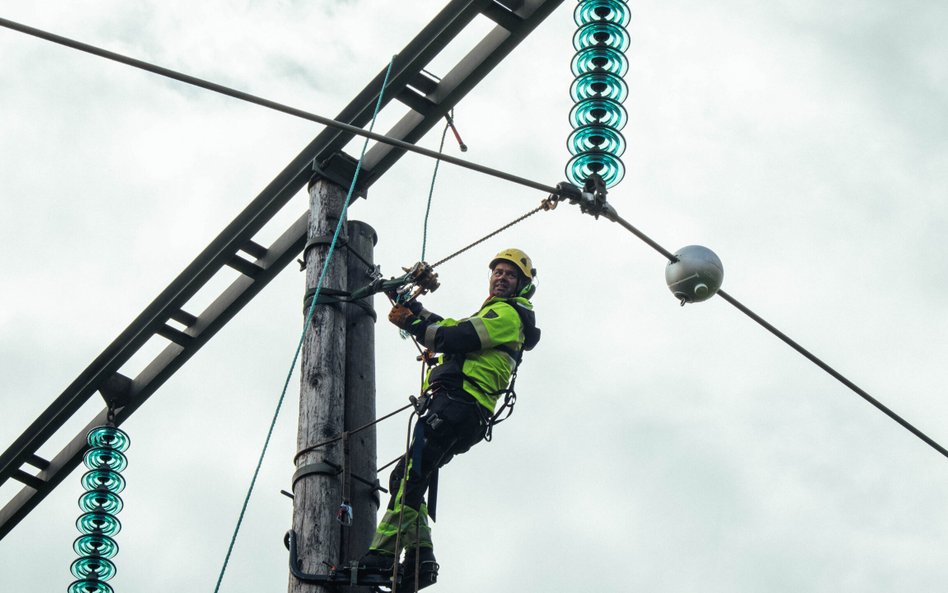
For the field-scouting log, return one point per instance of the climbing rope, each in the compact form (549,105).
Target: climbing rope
(419,411)
(401,504)
(434,176)
(306,325)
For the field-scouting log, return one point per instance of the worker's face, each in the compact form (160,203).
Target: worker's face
(504,279)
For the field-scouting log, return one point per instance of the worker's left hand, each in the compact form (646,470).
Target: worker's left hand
(402,317)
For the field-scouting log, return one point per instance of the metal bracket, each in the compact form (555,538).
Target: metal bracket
(591,198)
(337,576)
(322,468)
(327,468)
(116,392)
(339,168)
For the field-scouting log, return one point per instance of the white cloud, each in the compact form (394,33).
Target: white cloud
(652,446)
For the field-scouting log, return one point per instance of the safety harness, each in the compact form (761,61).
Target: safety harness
(531,335)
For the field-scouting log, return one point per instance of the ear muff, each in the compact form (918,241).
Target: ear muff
(528,287)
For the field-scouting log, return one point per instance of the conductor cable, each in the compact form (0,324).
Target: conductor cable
(613,216)
(833,372)
(224,90)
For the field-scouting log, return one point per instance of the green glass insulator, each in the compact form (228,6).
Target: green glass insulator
(598,111)
(98,523)
(600,34)
(610,11)
(596,138)
(103,457)
(606,165)
(89,586)
(598,85)
(103,479)
(109,437)
(93,567)
(95,544)
(101,501)
(598,91)
(599,59)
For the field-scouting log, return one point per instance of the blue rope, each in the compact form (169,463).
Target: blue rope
(424,236)
(306,325)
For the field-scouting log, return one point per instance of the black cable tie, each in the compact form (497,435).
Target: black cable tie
(327,296)
(324,240)
(336,298)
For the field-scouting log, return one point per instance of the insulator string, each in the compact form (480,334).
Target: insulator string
(598,91)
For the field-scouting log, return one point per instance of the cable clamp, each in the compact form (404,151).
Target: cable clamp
(591,198)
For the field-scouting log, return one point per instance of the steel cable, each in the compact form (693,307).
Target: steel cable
(793,344)
(236,94)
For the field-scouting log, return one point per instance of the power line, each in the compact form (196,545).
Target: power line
(243,96)
(610,213)
(218,88)
(833,372)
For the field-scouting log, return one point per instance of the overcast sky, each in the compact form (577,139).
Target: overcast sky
(654,447)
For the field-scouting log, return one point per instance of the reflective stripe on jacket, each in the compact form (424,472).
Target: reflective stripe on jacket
(480,351)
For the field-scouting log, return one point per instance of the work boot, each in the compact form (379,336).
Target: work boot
(377,561)
(423,561)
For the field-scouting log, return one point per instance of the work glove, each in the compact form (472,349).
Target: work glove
(402,317)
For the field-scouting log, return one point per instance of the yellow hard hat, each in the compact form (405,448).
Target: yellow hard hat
(517,258)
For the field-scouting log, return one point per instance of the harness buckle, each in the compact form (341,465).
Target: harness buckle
(420,403)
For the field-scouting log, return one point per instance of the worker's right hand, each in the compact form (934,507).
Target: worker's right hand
(402,317)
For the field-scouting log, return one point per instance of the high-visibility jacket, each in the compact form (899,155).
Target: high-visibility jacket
(480,352)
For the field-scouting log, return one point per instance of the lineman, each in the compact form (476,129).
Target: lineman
(478,356)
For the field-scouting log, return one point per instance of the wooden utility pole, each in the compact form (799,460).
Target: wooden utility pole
(360,394)
(337,394)
(317,491)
